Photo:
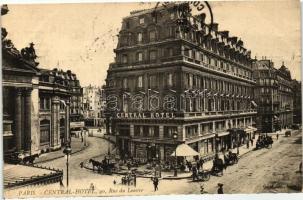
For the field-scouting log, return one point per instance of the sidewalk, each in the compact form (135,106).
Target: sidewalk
(76,146)
(142,172)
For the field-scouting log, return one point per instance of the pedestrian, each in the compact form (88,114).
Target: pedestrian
(277,136)
(92,187)
(135,180)
(220,188)
(81,135)
(155,182)
(251,142)
(194,169)
(202,191)
(247,143)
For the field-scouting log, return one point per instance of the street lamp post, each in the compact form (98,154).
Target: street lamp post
(67,151)
(175,136)
(238,143)
(67,136)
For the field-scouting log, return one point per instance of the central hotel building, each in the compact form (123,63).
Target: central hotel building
(178,78)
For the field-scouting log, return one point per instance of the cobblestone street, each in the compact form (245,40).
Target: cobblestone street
(265,170)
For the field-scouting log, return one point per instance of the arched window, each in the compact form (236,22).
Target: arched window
(44,131)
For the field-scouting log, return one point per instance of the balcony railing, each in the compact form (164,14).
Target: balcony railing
(216,113)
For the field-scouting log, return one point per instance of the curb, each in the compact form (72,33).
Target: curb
(164,178)
(51,159)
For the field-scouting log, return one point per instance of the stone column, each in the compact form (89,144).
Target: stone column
(18,118)
(199,130)
(54,122)
(28,119)
(67,123)
(162,152)
(244,124)
(132,131)
(236,121)
(161,133)
(214,127)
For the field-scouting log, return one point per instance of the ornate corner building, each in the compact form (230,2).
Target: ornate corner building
(184,79)
(274,96)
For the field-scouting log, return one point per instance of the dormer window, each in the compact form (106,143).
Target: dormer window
(141,20)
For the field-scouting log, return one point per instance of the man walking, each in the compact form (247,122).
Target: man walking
(220,188)
(155,182)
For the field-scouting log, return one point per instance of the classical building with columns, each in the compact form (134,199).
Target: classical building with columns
(186,79)
(36,102)
(20,103)
(35,106)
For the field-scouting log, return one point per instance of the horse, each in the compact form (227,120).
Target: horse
(218,166)
(233,157)
(30,159)
(95,164)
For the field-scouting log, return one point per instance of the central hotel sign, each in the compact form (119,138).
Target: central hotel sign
(152,115)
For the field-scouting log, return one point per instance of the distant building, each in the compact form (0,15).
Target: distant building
(76,110)
(93,105)
(274,96)
(297,92)
(186,80)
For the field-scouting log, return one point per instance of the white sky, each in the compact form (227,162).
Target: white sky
(81,37)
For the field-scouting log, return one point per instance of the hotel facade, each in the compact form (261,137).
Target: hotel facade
(185,79)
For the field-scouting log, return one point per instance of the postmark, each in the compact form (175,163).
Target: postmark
(199,10)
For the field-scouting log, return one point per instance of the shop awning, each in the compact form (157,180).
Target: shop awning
(184,150)
(254,103)
(223,134)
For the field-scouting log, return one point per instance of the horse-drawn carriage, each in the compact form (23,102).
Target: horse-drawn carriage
(105,166)
(19,158)
(203,175)
(231,158)
(218,166)
(264,142)
(287,133)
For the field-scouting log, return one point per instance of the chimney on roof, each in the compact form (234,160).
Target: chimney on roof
(201,18)
(215,26)
(240,42)
(234,40)
(224,33)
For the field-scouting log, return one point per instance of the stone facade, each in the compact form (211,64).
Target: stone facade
(93,105)
(274,96)
(197,84)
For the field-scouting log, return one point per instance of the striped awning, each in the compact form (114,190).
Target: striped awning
(254,103)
